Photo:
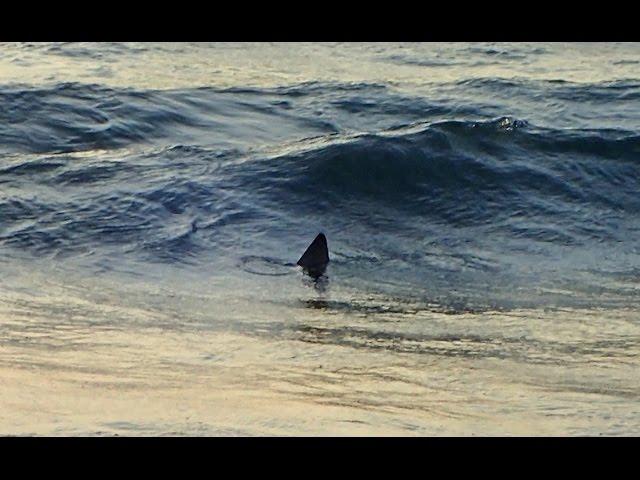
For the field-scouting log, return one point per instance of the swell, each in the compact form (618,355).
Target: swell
(504,176)
(623,89)
(552,103)
(75,117)
(466,173)
(217,162)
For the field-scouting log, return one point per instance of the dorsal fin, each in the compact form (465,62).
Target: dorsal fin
(315,258)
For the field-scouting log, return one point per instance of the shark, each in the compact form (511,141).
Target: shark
(316,257)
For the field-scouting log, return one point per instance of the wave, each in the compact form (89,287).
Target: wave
(174,173)
(76,117)
(504,176)
(611,91)
(465,173)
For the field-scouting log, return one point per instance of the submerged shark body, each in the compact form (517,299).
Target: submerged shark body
(316,257)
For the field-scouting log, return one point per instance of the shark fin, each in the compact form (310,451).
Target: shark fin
(316,257)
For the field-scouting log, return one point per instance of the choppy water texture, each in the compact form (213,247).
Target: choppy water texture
(480,202)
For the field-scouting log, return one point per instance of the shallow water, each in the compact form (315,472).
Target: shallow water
(479,200)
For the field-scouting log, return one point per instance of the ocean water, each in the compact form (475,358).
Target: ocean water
(481,204)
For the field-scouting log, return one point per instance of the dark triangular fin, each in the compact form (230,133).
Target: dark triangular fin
(314,260)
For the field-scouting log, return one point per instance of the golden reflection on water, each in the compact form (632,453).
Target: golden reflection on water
(191,65)
(72,366)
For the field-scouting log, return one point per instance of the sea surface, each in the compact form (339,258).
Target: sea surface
(481,203)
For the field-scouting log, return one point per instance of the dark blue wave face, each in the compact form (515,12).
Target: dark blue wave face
(483,191)
(468,205)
